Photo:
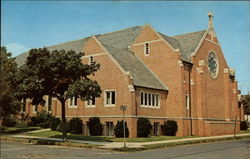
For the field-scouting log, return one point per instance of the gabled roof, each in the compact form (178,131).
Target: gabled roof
(120,39)
(139,71)
(76,45)
(186,43)
(117,44)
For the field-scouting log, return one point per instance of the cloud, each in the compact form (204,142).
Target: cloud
(16,49)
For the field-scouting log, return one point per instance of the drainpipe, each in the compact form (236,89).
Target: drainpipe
(190,96)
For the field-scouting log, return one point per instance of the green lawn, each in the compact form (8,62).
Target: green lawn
(56,134)
(18,128)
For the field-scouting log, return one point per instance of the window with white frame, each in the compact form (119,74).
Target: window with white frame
(150,99)
(73,102)
(146,49)
(90,102)
(91,60)
(110,97)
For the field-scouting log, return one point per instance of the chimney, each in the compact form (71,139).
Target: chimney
(210,19)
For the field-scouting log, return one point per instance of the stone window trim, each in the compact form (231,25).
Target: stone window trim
(214,77)
(91,103)
(150,99)
(112,100)
(146,49)
(72,102)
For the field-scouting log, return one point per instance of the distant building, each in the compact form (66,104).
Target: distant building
(184,78)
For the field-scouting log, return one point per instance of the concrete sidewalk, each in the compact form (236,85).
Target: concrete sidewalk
(132,144)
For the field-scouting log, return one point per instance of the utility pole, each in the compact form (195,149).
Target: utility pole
(123,108)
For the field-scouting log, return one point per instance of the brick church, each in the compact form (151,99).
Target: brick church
(183,78)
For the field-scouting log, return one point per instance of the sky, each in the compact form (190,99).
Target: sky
(33,24)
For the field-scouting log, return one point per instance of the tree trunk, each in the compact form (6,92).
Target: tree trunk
(63,121)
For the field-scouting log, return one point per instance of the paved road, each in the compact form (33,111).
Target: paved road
(228,150)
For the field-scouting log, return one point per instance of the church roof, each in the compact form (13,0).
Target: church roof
(117,44)
(186,43)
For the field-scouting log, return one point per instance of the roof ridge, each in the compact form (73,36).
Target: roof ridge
(186,33)
(117,31)
(67,42)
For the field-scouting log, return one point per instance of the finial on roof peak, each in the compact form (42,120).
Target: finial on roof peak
(210,19)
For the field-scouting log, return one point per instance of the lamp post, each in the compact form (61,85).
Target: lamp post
(123,108)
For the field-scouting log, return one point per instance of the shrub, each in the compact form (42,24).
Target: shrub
(43,116)
(60,129)
(75,126)
(243,125)
(33,121)
(170,128)
(8,121)
(119,129)
(143,127)
(41,119)
(95,126)
(54,122)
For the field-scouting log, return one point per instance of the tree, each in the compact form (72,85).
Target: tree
(9,104)
(60,74)
(246,104)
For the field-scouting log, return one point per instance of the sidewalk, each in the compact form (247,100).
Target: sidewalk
(132,144)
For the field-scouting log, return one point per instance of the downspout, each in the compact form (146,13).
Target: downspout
(190,103)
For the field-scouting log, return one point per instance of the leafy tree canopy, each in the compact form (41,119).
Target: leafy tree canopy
(59,74)
(8,101)
(246,104)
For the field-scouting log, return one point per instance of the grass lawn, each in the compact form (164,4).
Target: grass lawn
(56,134)
(18,128)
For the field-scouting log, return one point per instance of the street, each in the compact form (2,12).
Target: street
(239,149)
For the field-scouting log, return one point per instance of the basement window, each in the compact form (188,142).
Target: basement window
(146,49)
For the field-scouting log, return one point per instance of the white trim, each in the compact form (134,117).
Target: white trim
(212,42)
(155,105)
(89,106)
(73,102)
(105,98)
(98,54)
(160,37)
(201,41)
(116,63)
(154,117)
(142,43)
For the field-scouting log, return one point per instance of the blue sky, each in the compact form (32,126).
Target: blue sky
(30,24)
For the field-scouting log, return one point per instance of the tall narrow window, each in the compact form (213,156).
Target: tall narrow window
(187,101)
(49,103)
(90,102)
(146,49)
(146,99)
(110,98)
(91,60)
(142,98)
(73,102)
(24,105)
